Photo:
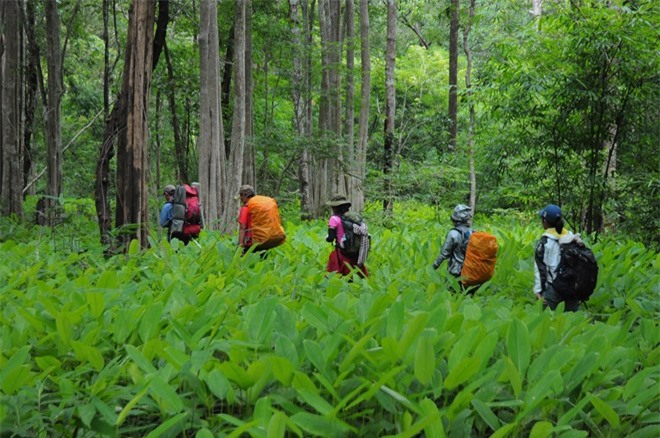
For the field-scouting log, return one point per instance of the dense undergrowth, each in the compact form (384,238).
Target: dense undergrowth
(198,341)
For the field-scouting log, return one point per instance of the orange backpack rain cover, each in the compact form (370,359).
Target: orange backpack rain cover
(480,258)
(267,228)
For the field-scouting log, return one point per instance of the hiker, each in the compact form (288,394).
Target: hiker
(547,255)
(455,244)
(259,223)
(166,210)
(181,213)
(342,259)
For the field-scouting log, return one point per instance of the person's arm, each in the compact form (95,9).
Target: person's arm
(332,234)
(241,234)
(446,250)
(166,215)
(540,268)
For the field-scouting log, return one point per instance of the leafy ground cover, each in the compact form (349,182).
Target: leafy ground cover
(198,341)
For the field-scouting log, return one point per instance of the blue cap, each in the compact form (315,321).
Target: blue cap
(551,213)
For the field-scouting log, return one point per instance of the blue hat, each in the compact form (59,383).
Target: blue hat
(551,213)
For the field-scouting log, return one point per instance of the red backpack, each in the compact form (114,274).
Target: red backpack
(186,212)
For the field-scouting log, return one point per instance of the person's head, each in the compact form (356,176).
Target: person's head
(551,217)
(246,192)
(462,214)
(339,204)
(168,191)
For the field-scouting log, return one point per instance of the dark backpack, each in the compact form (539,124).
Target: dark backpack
(577,272)
(351,242)
(186,212)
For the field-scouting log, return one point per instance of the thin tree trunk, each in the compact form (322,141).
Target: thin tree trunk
(180,150)
(211,134)
(363,126)
(453,73)
(390,105)
(350,98)
(235,168)
(249,171)
(54,105)
(470,96)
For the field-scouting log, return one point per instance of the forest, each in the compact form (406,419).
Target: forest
(408,107)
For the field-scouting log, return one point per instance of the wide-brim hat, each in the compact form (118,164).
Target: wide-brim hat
(338,200)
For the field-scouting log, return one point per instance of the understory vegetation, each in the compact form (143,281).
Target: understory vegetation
(199,341)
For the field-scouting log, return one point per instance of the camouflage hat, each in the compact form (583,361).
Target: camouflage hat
(338,200)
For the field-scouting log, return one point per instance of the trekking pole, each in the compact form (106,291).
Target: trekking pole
(197,186)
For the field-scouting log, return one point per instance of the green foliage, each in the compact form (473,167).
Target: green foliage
(199,340)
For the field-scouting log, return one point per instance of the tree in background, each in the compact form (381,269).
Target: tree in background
(454,14)
(12,104)
(470,102)
(210,142)
(360,169)
(133,136)
(390,106)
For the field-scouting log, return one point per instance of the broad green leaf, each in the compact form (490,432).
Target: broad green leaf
(411,334)
(316,401)
(276,425)
(130,405)
(314,353)
(237,374)
(504,431)
(204,433)
(606,411)
(134,248)
(217,383)
(542,429)
(513,375)
(315,317)
(355,351)
(518,345)
(260,320)
(86,413)
(166,395)
(139,359)
(433,427)
(395,320)
(167,426)
(96,303)
(88,353)
(486,414)
(321,426)
(400,398)
(150,321)
(465,370)
(425,358)
(282,369)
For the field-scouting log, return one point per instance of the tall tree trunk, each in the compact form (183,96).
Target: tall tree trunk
(298,97)
(470,95)
(363,126)
(249,164)
(31,99)
(180,149)
(351,166)
(54,104)
(102,183)
(454,11)
(11,146)
(235,165)
(132,156)
(390,106)
(211,134)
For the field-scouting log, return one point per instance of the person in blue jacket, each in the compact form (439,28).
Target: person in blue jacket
(166,210)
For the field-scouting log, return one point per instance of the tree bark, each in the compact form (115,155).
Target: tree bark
(11,146)
(52,113)
(235,168)
(249,164)
(390,106)
(363,125)
(180,150)
(470,97)
(132,216)
(454,11)
(211,140)
(351,166)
